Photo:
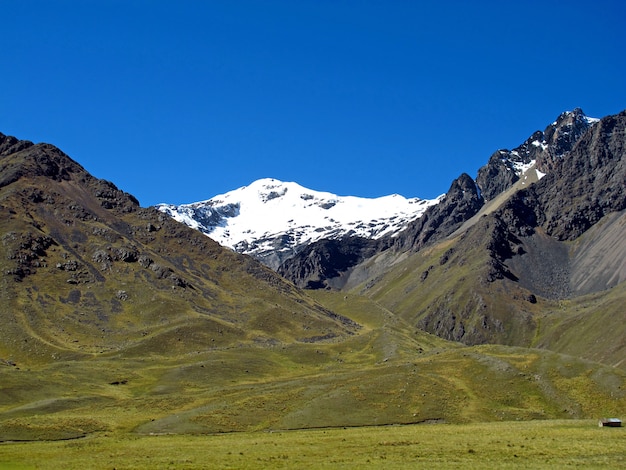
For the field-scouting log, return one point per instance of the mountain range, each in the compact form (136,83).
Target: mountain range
(495,254)
(120,319)
(315,238)
(533,207)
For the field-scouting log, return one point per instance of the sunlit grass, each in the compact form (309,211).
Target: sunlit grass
(533,444)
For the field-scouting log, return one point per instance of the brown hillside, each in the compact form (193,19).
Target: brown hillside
(86,270)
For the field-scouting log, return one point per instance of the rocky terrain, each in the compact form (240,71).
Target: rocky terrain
(558,239)
(80,258)
(543,153)
(117,320)
(541,149)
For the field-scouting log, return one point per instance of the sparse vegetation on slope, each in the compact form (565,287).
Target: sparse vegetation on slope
(118,324)
(86,271)
(385,374)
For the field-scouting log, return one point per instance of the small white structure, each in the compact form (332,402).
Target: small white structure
(610,422)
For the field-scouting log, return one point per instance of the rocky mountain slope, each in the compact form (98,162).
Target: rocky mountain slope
(272,220)
(117,320)
(586,187)
(86,270)
(538,155)
(541,149)
(525,267)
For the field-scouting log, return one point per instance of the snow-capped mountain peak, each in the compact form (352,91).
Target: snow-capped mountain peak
(272,219)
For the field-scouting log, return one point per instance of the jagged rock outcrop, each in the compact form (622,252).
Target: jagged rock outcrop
(581,190)
(497,175)
(461,202)
(10,144)
(561,136)
(545,148)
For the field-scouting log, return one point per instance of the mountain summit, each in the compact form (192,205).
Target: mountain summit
(272,220)
(541,149)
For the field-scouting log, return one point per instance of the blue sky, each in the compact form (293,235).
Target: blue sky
(177,101)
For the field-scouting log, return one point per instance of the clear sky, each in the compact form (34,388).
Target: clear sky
(177,101)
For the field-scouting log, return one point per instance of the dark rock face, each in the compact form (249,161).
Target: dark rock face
(582,188)
(590,183)
(498,175)
(462,201)
(585,186)
(9,144)
(560,137)
(326,259)
(546,148)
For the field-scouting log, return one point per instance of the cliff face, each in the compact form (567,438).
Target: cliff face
(323,263)
(461,202)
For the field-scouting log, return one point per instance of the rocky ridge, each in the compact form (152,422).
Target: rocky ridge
(559,241)
(542,153)
(541,149)
(87,270)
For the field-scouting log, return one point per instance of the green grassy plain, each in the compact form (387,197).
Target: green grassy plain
(528,444)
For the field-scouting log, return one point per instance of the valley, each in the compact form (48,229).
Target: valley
(121,327)
(385,374)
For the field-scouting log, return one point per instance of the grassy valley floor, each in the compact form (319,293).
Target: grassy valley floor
(389,396)
(528,444)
